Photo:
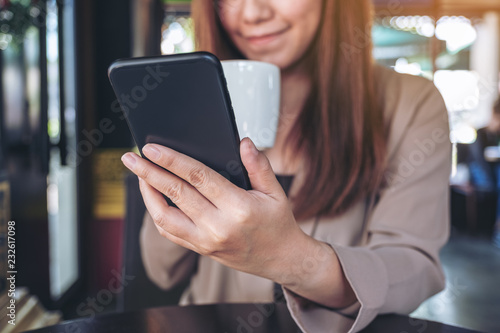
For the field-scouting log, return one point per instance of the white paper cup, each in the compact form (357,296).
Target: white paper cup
(255,90)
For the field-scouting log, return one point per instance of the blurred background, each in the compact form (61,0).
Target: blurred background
(77,211)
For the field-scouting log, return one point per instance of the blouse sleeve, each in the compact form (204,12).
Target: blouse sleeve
(167,264)
(398,266)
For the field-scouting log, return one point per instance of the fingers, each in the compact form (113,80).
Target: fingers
(174,239)
(173,224)
(170,222)
(217,189)
(259,170)
(187,198)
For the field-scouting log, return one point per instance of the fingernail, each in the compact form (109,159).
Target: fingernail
(252,147)
(151,152)
(129,160)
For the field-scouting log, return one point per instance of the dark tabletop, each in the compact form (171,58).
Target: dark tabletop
(225,318)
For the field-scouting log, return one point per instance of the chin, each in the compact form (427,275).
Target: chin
(281,62)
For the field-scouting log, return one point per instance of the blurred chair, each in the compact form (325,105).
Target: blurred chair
(140,292)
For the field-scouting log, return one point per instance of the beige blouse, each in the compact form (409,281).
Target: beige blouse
(388,250)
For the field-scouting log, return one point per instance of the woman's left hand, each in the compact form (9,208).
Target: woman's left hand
(251,231)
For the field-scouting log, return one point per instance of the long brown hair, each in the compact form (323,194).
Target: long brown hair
(340,130)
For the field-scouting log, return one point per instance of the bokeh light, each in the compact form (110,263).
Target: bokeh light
(458,32)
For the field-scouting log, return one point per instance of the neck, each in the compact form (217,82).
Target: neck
(295,89)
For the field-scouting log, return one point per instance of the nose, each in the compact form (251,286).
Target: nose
(256,11)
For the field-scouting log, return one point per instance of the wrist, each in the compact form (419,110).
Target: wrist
(314,272)
(303,261)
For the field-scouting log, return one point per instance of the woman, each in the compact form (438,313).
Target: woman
(370,156)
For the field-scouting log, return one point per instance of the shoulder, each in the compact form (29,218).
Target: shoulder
(408,102)
(390,77)
(404,93)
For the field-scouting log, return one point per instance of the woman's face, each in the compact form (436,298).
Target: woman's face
(274,31)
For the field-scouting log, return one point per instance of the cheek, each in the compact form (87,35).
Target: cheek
(305,16)
(304,33)
(301,11)
(228,22)
(229,15)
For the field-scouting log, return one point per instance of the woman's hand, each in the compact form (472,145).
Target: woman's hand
(251,231)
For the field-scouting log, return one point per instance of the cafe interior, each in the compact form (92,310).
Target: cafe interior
(73,212)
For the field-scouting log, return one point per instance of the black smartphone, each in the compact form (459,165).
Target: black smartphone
(181,102)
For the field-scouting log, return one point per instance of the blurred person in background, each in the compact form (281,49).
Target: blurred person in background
(369,153)
(484,163)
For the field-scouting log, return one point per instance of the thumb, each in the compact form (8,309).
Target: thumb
(260,172)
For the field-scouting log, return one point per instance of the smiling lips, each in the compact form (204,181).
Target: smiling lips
(264,39)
